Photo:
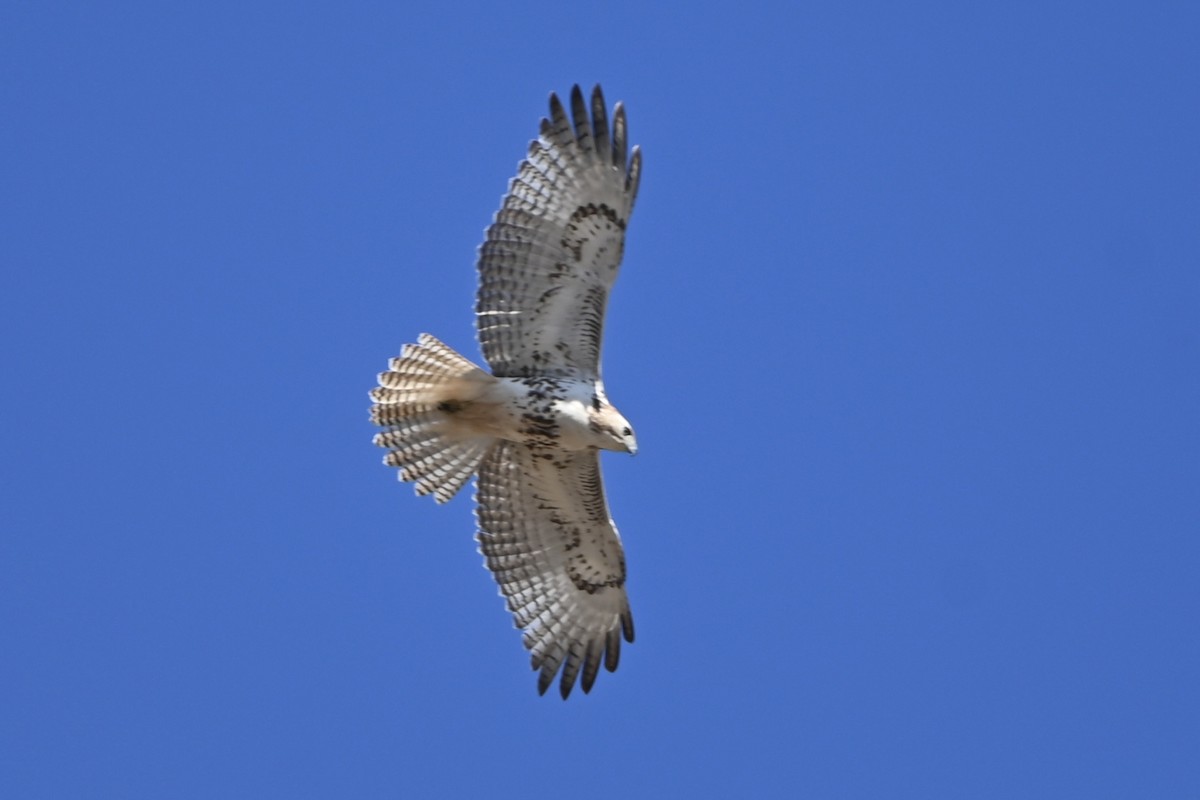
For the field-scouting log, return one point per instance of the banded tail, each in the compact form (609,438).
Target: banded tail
(419,403)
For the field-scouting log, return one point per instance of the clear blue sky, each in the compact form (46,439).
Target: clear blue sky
(908,328)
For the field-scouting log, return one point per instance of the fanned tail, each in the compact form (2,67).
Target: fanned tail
(419,404)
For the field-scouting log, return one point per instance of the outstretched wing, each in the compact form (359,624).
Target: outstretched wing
(545,534)
(552,253)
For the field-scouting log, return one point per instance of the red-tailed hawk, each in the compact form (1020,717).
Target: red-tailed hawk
(532,428)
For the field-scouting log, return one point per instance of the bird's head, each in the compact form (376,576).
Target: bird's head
(613,431)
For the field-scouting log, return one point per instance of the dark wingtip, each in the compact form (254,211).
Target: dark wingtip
(591,664)
(579,113)
(634,175)
(620,155)
(612,650)
(600,125)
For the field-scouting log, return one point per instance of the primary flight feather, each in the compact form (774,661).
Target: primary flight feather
(532,428)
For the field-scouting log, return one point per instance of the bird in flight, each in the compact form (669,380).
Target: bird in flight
(532,428)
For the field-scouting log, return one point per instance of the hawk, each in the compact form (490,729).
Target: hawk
(532,428)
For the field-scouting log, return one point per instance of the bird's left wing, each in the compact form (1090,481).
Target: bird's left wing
(546,535)
(552,254)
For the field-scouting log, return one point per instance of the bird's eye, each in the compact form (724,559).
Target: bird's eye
(628,432)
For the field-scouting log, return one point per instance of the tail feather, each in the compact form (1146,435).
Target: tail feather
(416,402)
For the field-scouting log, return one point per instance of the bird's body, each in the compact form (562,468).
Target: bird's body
(532,428)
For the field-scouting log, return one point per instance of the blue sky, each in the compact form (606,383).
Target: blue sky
(907,328)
